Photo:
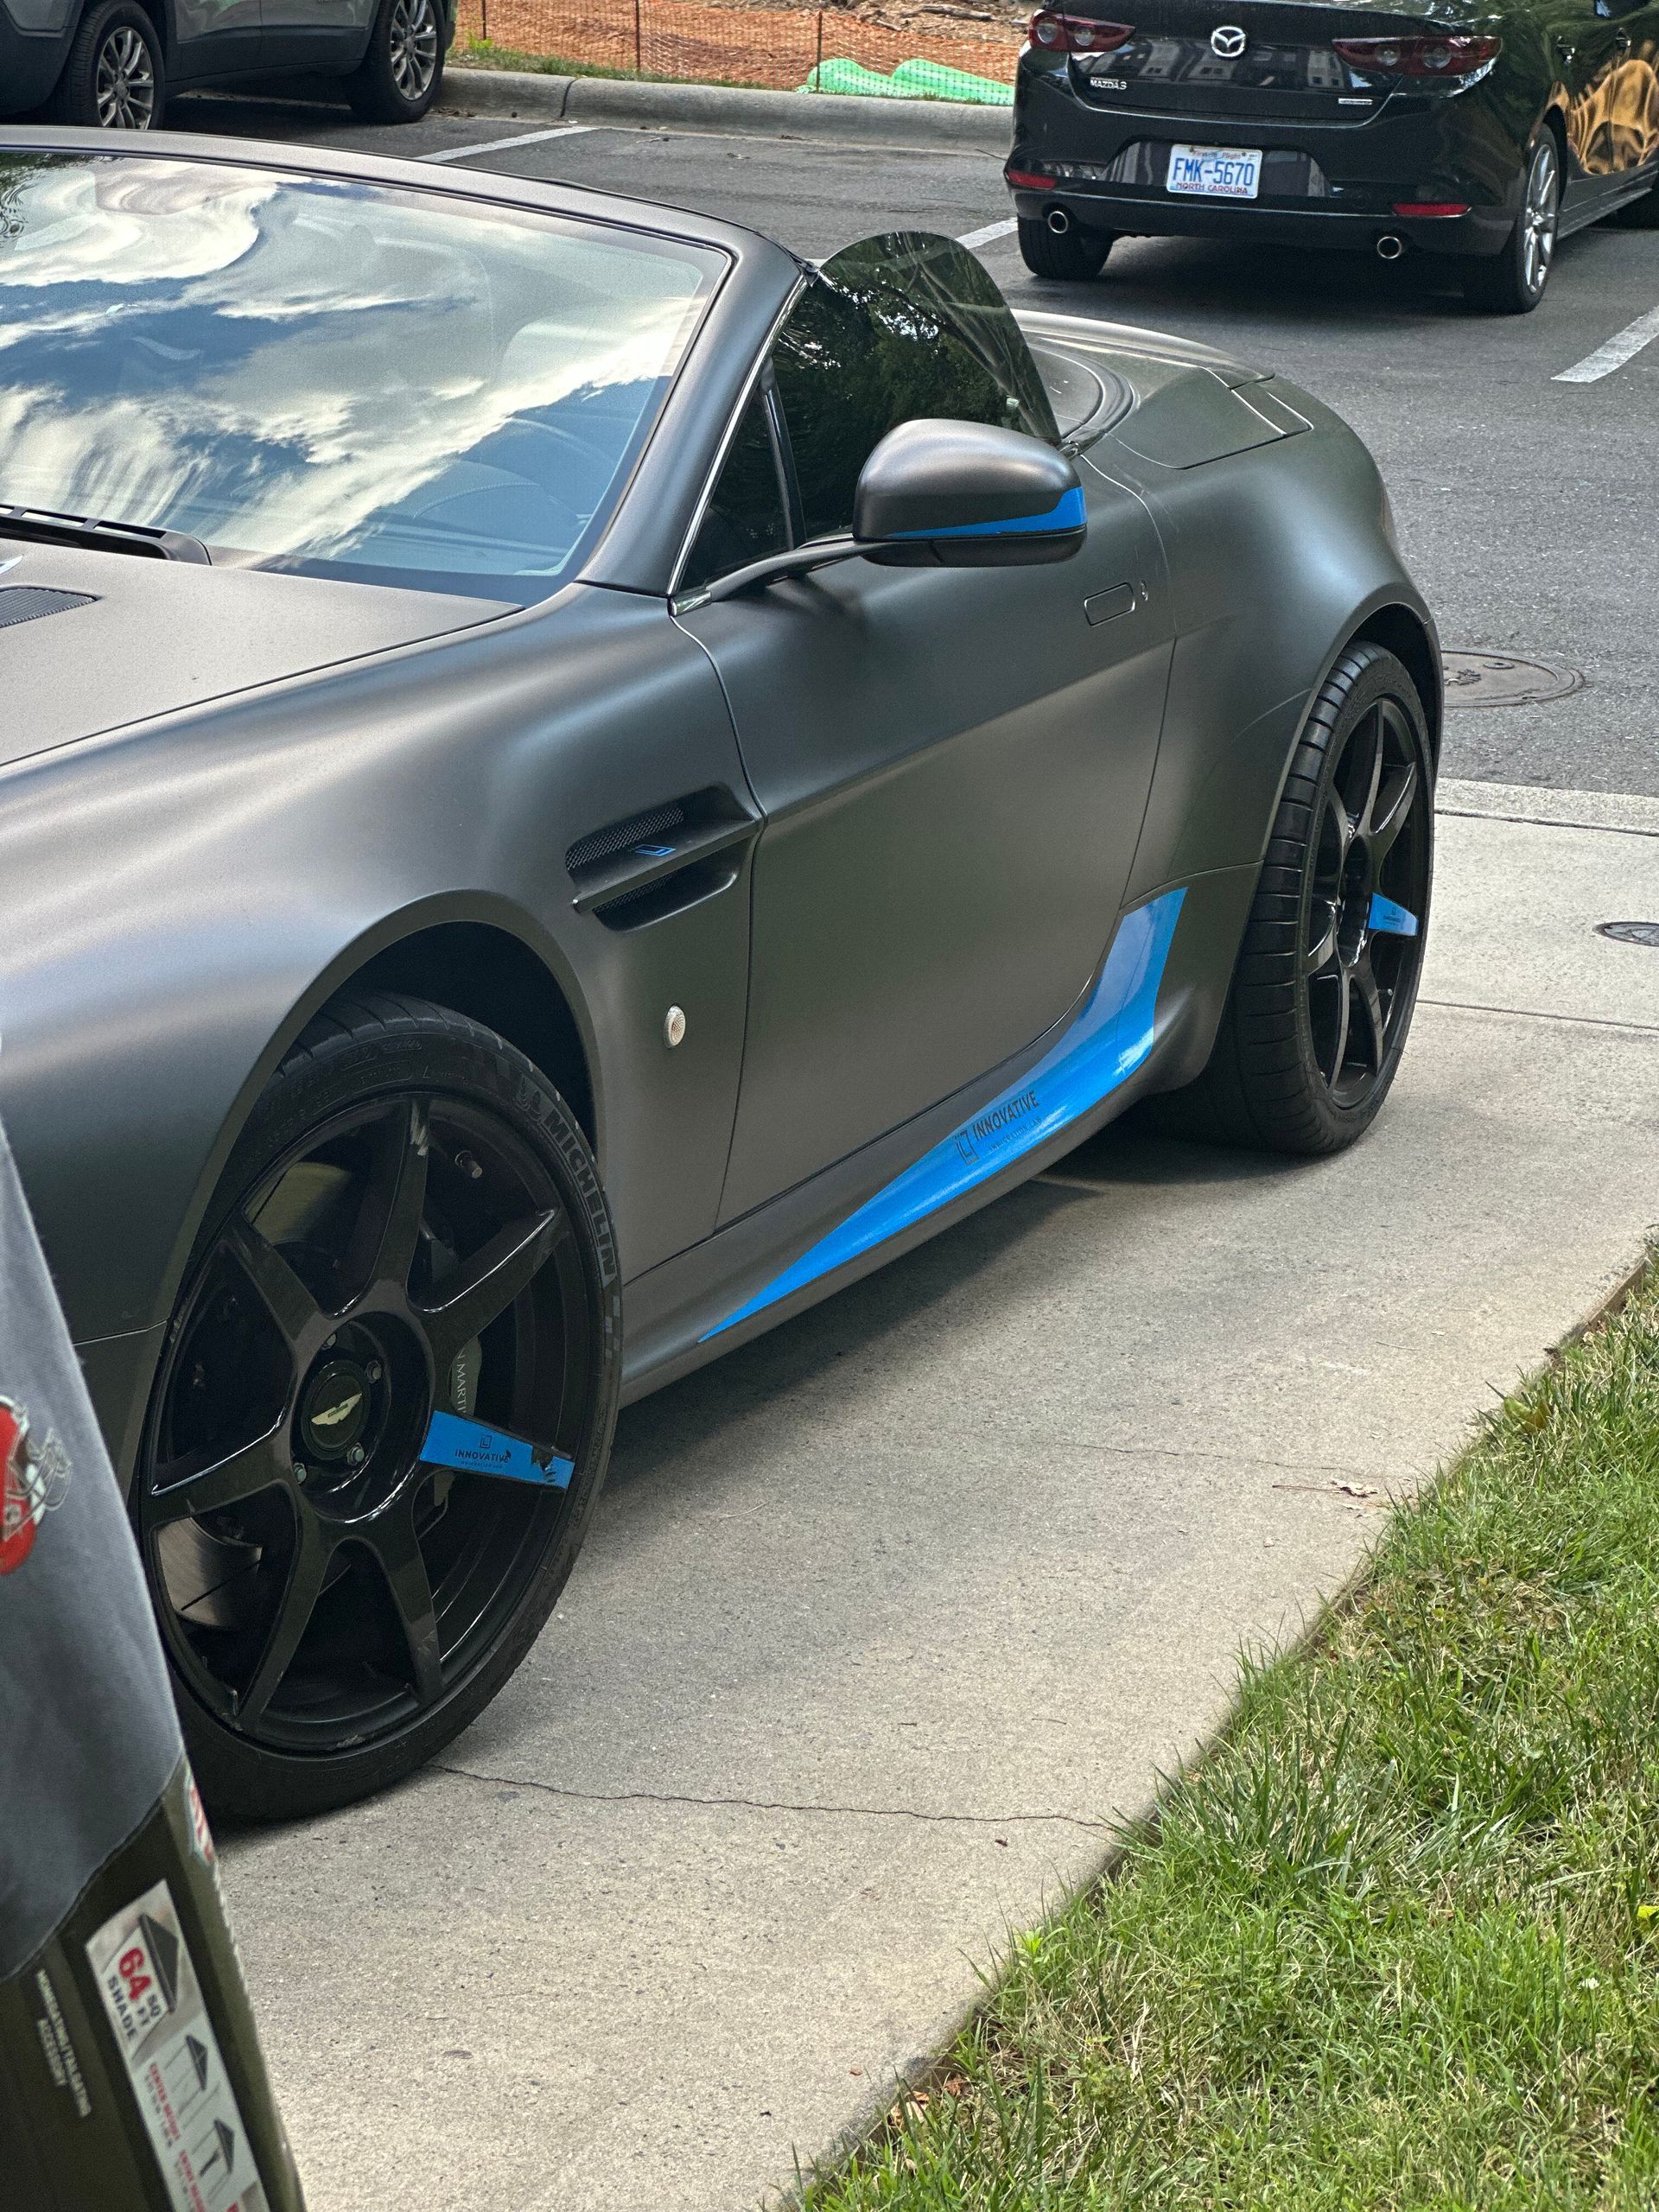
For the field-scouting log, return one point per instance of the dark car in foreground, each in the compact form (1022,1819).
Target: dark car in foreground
(109,63)
(572,783)
(1477,131)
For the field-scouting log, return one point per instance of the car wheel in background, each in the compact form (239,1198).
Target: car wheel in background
(398,79)
(1327,980)
(1512,281)
(411,1225)
(114,78)
(1071,255)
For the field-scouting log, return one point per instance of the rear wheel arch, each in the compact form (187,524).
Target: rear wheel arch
(1404,634)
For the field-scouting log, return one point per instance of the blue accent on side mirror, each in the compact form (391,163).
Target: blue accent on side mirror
(1068,513)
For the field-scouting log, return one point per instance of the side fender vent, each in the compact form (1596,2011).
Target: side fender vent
(619,836)
(29,602)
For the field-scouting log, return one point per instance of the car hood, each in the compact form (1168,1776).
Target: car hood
(90,639)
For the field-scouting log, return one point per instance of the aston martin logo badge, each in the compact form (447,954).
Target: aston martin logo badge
(332,1416)
(1229,42)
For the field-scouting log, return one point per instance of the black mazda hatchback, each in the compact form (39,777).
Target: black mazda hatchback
(1482,132)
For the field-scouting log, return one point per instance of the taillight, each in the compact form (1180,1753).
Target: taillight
(1029,180)
(1053,34)
(1454,55)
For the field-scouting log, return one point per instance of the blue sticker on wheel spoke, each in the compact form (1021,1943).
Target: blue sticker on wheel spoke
(1388,920)
(473,1449)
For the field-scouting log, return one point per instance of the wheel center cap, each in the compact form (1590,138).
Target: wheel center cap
(335,1409)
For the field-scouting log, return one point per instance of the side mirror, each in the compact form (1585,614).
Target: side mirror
(967,495)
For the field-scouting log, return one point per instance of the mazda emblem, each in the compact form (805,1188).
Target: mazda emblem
(1229,42)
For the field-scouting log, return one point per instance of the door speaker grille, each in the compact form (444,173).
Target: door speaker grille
(28,602)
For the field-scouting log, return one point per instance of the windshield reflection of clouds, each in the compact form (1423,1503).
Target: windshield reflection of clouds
(315,373)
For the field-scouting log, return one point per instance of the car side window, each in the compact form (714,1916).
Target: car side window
(898,326)
(745,518)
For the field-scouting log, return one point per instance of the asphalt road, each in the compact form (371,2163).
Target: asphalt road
(1528,509)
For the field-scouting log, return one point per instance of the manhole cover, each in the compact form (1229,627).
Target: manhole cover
(1630,933)
(1505,680)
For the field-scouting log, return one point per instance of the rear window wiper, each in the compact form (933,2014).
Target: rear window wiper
(41,526)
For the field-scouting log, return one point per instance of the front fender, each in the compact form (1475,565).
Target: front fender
(184,896)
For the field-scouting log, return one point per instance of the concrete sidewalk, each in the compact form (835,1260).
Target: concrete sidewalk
(884,1616)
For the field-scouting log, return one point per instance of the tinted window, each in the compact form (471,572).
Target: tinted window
(351,379)
(895,327)
(745,518)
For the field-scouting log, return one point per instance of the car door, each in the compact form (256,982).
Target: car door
(953,764)
(328,35)
(1590,45)
(1632,96)
(214,38)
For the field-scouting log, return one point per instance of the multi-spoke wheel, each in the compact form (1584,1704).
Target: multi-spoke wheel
(112,77)
(1512,281)
(398,80)
(384,1411)
(1326,979)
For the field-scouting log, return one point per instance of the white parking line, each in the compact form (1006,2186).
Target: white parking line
(500,145)
(1614,354)
(990,231)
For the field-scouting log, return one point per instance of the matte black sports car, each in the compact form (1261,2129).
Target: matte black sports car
(1479,130)
(574,782)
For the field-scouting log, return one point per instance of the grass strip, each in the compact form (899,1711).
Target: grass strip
(1395,1943)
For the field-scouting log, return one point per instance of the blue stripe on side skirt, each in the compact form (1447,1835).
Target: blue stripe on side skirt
(1102,1048)
(1068,512)
(1389,920)
(473,1449)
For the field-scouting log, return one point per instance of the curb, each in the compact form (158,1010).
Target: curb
(944,125)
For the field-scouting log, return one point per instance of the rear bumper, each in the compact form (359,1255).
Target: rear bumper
(1141,214)
(30,64)
(1109,162)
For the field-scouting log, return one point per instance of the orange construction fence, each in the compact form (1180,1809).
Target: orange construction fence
(789,49)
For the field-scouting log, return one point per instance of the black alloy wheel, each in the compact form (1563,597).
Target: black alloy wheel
(112,80)
(398,78)
(1512,281)
(1069,257)
(1327,980)
(411,1227)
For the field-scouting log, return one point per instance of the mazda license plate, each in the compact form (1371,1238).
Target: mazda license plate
(1216,172)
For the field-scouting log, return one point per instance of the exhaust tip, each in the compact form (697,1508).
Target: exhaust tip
(1389,247)
(1059,221)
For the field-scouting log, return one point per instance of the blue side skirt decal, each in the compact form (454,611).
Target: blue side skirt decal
(471,1448)
(1104,1045)
(1389,920)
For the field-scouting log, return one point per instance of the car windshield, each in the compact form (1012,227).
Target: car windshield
(344,378)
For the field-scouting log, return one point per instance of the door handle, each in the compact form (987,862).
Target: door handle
(1108,606)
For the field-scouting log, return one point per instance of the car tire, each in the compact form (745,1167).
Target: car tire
(1512,281)
(114,78)
(1322,996)
(1071,257)
(334,1606)
(399,76)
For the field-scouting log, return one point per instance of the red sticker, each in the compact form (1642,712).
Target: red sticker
(33,1480)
